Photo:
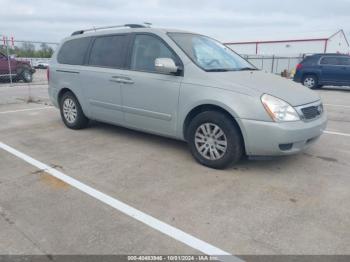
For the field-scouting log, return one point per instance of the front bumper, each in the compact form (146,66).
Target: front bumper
(271,138)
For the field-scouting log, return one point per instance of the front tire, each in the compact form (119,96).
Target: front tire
(214,140)
(71,112)
(310,81)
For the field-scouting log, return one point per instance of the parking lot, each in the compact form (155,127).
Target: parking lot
(297,205)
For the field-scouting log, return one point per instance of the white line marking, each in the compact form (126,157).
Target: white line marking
(337,105)
(27,109)
(152,222)
(336,133)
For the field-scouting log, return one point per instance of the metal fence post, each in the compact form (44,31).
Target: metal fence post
(8,59)
(272,63)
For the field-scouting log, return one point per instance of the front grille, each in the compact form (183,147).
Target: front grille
(312,112)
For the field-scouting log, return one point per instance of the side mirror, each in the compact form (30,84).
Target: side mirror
(165,66)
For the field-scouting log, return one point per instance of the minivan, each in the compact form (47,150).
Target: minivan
(185,86)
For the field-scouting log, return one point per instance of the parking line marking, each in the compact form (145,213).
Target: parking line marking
(27,109)
(336,133)
(150,221)
(337,105)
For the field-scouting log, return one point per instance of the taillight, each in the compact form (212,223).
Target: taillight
(48,74)
(299,66)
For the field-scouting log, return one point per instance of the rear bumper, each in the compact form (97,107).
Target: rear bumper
(297,77)
(271,138)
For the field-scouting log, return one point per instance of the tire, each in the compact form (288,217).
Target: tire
(310,81)
(71,113)
(203,146)
(26,75)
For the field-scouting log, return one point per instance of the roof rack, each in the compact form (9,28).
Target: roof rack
(108,27)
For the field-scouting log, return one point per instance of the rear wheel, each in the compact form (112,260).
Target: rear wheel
(310,81)
(214,140)
(26,75)
(71,112)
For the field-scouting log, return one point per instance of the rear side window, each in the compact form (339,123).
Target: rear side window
(329,61)
(109,51)
(73,51)
(344,61)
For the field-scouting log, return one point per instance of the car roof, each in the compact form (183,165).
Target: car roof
(330,54)
(90,32)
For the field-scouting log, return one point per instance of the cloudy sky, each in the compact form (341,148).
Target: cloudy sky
(226,20)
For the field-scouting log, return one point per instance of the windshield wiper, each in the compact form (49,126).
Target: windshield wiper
(248,69)
(218,70)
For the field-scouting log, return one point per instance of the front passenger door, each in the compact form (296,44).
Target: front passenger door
(332,73)
(150,99)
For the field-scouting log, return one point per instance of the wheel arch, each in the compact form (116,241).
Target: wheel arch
(211,107)
(305,74)
(62,92)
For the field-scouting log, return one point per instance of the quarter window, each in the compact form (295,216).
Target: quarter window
(108,51)
(146,50)
(73,51)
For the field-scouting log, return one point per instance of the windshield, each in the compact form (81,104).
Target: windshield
(209,54)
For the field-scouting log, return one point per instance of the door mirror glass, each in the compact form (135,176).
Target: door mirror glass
(165,66)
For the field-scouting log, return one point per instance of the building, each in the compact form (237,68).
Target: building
(312,43)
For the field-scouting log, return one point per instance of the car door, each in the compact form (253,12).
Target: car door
(4,65)
(344,63)
(150,99)
(101,76)
(331,72)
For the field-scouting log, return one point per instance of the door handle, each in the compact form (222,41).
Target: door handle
(126,81)
(122,79)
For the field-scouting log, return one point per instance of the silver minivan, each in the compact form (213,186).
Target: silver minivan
(184,86)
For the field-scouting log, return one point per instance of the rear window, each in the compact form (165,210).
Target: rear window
(308,60)
(109,51)
(73,51)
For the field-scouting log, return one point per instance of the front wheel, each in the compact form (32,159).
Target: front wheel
(71,112)
(214,140)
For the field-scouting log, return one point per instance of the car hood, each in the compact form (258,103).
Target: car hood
(266,83)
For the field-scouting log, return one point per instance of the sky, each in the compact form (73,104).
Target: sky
(225,20)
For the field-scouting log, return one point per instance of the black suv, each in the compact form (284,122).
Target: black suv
(324,69)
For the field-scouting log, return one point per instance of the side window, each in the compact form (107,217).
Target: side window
(345,61)
(146,50)
(73,52)
(329,61)
(109,51)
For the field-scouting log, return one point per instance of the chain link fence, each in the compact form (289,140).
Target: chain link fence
(23,67)
(281,65)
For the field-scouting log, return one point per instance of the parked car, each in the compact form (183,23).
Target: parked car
(40,65)
(324,69)
(184,86)
(19,70)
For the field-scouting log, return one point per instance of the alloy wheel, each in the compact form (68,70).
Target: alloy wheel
(210,141)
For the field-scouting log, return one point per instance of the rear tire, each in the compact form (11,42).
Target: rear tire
(310,81)
(71,113)
(214,140)
(26,75)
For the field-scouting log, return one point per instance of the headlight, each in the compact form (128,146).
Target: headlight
(278,109)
